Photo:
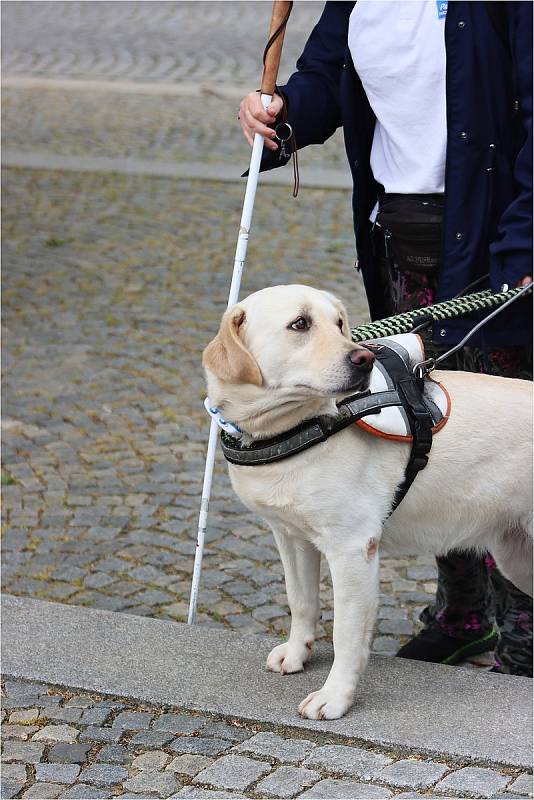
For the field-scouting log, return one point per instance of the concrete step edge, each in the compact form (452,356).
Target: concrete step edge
(311,177)
(411,706)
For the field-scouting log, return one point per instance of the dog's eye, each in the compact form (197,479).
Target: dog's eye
(340,324)
(300,324)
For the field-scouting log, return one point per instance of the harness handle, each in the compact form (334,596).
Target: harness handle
(423,368)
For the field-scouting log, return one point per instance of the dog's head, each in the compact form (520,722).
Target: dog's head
(285,343)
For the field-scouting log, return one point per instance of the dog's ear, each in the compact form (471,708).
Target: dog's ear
(226,355)
(342,311)
(344,316)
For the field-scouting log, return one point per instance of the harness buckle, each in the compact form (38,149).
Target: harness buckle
(424,368)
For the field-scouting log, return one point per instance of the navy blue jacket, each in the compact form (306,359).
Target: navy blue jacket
(488,175)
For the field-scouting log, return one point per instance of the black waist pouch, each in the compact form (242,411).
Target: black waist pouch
(412,225)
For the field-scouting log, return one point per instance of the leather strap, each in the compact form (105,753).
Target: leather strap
(308,433)
(410,390)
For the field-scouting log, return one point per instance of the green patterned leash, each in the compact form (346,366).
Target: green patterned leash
(449,309)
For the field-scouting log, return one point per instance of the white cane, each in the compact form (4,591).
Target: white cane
(273,52)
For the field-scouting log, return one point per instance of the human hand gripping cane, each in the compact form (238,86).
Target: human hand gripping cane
(271,62)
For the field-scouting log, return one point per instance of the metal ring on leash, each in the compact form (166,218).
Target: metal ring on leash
(421,370)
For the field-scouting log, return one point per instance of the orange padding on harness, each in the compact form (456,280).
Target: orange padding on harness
(395,437)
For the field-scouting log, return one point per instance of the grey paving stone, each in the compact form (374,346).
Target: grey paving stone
(345,790)
(133,720)
(62,714)
(475,781)
(14,772)
(68,753)
(56,733)
(223,730)
(153,761)
(23,732)
(79,701)
(29,752)
(426,572)
(179,723)
(522,785)
(49,702)
(385,645)
(195,793)
(26,716)
(199,745)
(508,796)
(286,782)
(268,612)
(151,739)
(8,788)
(400,627)
(292,751)
(94,716)
(98,580)
(351,761)
(82,791)
(57,773)
(232,772)
(411,773)
(161,784)
(43,791)
(189,764)
(21,690)
(103,774)
(114,754)
(93,734)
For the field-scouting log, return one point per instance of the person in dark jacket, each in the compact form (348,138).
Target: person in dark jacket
(435,101)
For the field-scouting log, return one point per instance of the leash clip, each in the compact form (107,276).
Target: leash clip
(424,368)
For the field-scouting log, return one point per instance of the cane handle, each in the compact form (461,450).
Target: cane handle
(281,11)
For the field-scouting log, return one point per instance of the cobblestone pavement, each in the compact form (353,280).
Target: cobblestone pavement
(112,286)
(59,743)
(141,126)
(216,42)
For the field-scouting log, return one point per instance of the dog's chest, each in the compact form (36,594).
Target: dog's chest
(283,492)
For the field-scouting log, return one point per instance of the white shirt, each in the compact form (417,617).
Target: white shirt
(398,50)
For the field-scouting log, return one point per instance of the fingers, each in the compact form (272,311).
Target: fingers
(525,281)
(255,119)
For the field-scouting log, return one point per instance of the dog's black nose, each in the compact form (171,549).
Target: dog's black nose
(363,359)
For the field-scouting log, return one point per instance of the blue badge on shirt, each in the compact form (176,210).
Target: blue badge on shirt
(442,8)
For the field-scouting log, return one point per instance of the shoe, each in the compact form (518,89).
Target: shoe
(435,646)
(524,672)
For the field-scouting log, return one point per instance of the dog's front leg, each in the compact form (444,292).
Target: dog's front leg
(355,580)
(301,561)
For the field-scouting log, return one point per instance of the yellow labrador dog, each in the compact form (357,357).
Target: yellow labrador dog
(283,355)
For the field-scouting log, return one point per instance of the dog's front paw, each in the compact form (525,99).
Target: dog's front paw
(288,657)
(325,704)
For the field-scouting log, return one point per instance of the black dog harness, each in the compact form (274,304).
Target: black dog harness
(407,393)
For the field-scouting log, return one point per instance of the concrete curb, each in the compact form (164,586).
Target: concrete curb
(433,709)
(227,173)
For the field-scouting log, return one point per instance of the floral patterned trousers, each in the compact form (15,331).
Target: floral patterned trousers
(472,595)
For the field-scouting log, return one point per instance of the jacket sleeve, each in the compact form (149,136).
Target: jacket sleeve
(511,253)
(312,92)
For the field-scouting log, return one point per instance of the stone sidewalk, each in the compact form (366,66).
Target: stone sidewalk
(151,41)
(63,744)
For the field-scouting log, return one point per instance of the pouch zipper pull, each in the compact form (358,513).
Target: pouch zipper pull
(387,237)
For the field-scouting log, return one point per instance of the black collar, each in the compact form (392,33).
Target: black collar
(308,433)
(407,392)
